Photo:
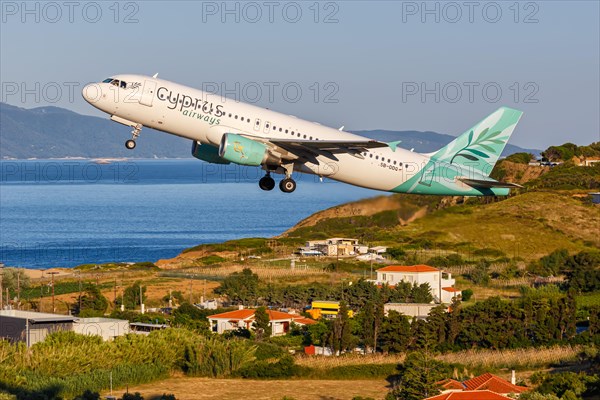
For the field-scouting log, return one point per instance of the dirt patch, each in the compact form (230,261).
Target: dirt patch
(185,388)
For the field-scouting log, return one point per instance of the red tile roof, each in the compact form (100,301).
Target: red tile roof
(469,395)
(277,315)
(494,383)
(408,268)
(235,315)
(451,384)
(450,289)
(304,321)
(248,314)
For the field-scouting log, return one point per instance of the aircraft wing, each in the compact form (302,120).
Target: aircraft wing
(336,146)
(293,149)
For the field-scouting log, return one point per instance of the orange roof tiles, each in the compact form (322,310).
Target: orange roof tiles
(237,314)
(450,289)
(469,395)
(451,384)
(248,314)
(494,383)
(408,268)
(304,321)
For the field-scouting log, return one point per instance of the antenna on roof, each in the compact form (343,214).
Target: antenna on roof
(155,75)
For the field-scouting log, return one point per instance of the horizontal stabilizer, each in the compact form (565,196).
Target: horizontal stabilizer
(483,183)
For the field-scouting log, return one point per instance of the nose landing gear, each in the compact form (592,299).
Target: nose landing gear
(130,144)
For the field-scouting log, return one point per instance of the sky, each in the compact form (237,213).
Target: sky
(396,65)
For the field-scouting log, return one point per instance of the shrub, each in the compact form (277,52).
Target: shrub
(466,294)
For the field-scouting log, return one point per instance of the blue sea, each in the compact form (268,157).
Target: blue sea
(62,213)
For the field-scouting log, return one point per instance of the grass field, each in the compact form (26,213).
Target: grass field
(224,389)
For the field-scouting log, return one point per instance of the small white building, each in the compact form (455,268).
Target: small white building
(106,328)
(441,283)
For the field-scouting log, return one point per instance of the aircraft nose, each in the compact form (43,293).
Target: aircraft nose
(91,93)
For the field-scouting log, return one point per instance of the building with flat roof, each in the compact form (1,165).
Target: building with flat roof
(106,328)
(441,283)
(32,327)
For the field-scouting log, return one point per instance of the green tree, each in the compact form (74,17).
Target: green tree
(396,253)
(191,317)
(466,294)
(13,278)
(240,287)
(92,302)
(131,296)
(341,338)
(262,326)
(417,377)
(395,333)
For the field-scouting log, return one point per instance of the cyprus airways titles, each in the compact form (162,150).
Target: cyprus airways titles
(225,131)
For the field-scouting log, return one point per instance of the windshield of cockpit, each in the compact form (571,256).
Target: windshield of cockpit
(115,82)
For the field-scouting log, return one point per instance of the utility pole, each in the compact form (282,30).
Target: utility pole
(52,273)
(190,289)
(18,288)
(80,292)
(1,276)
(141,300)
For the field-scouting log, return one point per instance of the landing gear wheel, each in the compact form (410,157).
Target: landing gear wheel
(287,185)
(130,144)
(266,183)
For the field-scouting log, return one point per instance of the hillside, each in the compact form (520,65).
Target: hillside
(528,226)
(53,132)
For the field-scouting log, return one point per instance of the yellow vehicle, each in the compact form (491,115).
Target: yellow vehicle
(326,309)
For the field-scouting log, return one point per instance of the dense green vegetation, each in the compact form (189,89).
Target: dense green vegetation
(67,364)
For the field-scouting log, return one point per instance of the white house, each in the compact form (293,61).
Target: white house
(441,283)
(280,322)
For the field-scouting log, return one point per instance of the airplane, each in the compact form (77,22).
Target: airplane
(227,131)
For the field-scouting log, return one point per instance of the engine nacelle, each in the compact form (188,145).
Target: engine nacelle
(241,150)
(207,153)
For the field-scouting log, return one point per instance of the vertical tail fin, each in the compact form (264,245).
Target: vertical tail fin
(480,147)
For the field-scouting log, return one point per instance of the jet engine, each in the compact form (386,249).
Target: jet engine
(207,153)
(241,150)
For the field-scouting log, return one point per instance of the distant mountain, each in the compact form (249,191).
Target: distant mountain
(53,132)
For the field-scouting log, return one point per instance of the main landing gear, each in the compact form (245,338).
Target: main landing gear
(130,144)
(287,185)
(266,182)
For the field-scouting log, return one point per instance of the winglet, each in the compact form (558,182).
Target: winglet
(395,144)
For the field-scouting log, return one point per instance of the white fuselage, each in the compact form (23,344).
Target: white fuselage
(205,118)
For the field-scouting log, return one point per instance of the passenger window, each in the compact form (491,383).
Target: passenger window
(257,125)
(267,124)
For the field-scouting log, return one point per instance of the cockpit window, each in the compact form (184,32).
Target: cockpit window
(107,80)
(123,84)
